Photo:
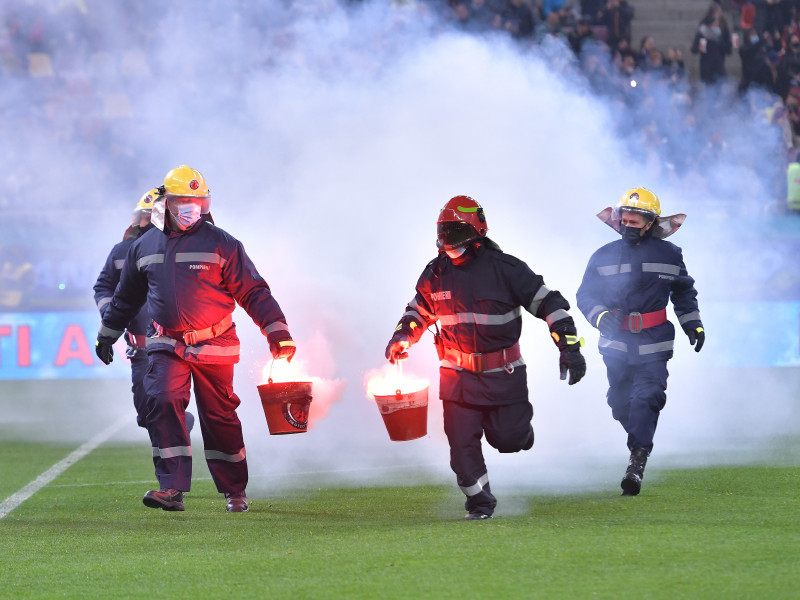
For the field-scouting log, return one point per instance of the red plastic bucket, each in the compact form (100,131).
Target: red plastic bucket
(405,415)
(286,406)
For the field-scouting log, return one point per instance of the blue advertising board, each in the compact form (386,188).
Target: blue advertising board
(55,345)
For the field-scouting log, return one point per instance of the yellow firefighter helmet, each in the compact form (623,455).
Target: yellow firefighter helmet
(185,182)
(640,200)
(146,201)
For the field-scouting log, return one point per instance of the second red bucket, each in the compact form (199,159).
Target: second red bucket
(405,415)
(286,406)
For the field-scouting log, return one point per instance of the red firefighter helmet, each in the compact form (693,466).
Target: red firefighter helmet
(461,222)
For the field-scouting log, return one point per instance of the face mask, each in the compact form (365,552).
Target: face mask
(456,252)
(188,215)
(716,30)
(753,39)
(631,235)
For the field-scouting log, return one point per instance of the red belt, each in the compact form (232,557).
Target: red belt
(635,321)
(190,337)
(477,362)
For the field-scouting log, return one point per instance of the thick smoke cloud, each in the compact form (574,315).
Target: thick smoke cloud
(330,136)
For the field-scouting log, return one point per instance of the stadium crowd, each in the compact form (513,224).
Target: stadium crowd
(63,75)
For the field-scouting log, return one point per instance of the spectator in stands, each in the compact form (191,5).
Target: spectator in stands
(674,66)
(550,29)
(793,115)
(592,9)
(518,19)
(712,41)
(647,45)
(582,34)
(755,68)
(617,16)
(567,17)
(474,15)
(621,51)
(788,76)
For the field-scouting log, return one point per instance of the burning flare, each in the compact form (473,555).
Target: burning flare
(324,392)
(387,380)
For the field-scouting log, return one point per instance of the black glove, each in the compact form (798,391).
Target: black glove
(572,360)
(697,337)
(283,349)
(397,348)
(609,323)
(105,352)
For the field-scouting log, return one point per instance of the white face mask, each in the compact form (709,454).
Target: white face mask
(188,215)
(456,252)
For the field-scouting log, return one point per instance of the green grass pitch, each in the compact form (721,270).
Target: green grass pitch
(711,533)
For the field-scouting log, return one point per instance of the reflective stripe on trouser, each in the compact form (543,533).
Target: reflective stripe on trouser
(636,395)
(168,386)
(507,428)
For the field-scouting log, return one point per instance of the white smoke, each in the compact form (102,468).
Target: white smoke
(331,137)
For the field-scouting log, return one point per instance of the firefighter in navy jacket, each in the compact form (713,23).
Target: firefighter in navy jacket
(477,293)
(191,273)
(136,329)
(624,293)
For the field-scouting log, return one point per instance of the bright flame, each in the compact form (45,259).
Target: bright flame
(388,379)
(281,371)
(324,392)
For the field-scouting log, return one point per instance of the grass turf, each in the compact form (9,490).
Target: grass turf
(713,533)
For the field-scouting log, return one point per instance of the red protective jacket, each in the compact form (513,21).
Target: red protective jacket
(192,280)
(478,303)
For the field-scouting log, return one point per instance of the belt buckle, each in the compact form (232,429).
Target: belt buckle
(509,368)
(476,362)
(635,322)
(190,337)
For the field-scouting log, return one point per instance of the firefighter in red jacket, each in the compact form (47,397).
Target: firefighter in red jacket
(624,293)
(192,274)
(476,293)
(136,330)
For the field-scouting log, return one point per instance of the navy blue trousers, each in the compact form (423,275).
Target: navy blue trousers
(636,395)
(139,362)
(168,383)
(507,428)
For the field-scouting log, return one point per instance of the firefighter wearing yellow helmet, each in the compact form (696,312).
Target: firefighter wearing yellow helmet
(192,274)
(624,294)
(136,328)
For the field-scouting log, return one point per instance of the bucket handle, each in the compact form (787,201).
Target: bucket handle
(269,379)
(399,373)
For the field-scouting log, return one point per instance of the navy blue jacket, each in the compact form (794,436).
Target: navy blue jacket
(478,302)
(192,280)
(109,278)
(641,278)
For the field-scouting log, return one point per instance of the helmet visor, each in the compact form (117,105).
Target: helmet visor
(451,235)
(647,215)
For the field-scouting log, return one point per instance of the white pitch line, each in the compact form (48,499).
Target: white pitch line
(17,498)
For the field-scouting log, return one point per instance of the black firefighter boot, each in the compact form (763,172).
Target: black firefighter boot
(632,482)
